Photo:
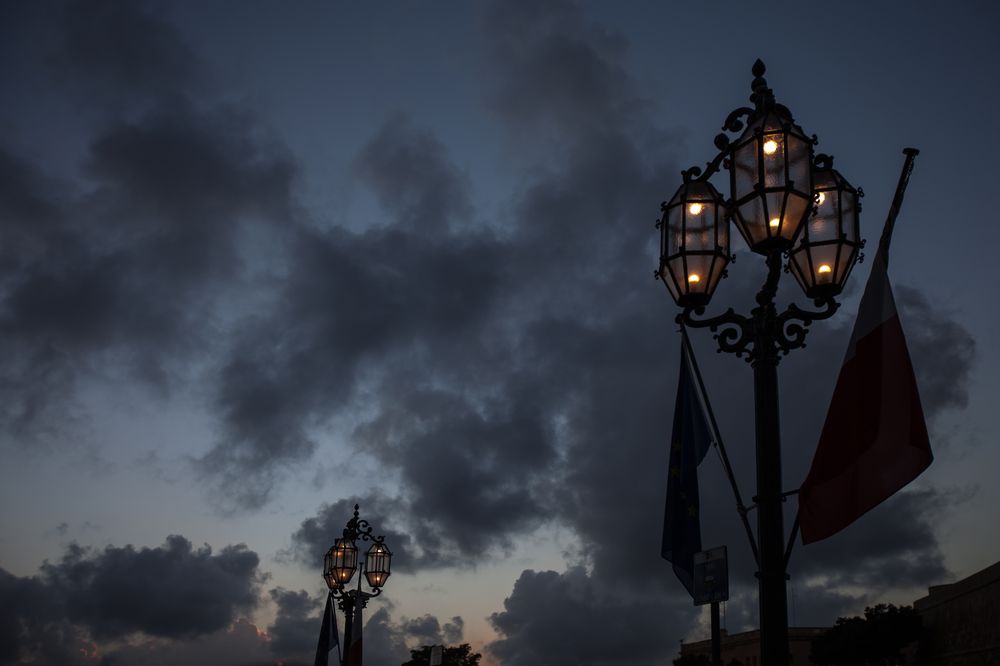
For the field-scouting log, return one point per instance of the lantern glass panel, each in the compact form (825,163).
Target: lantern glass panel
(328,575)
(744,167)
(828,246)
(377,562)
(344,561)
(695,243)
(771,182)
(799,162)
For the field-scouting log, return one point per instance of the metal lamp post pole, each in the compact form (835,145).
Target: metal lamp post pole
(770,520)
(347,605)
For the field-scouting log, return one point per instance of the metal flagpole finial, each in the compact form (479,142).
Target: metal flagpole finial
(897,203)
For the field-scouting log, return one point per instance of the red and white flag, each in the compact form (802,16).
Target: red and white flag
(874,440)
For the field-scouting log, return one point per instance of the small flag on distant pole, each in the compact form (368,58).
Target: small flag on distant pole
(689,443)
(329,637)
(874,440)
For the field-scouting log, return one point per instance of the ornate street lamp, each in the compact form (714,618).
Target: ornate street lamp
(785,203)
(341,562)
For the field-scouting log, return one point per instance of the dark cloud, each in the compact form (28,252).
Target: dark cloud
(125,48)
(943,352)
(123,269)
(351,304)
(491,453)
(171,591)
(170,193)
(385,640)
(492,424)
(556,70)
(88,597)
(435,324)
(31,623)
(316,534)
(410,173)
(454,631)
(895,546)
(574,618)
(427,630)
(296,626)
(242,644)
(41,623)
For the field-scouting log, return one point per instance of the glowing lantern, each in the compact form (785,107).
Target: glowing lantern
(694,243)
(377,562)
(340,563)
(828,246)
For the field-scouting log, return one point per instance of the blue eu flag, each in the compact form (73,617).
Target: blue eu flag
(689,443)
(329,637)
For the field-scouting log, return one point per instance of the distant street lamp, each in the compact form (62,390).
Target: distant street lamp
(340,564)
(786,203)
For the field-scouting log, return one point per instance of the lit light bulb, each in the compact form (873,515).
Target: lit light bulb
(770,147)
(774,223)
(820,198)
(824,268)
(695,208)
(694,277)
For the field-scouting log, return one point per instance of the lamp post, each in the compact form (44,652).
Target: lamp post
(340,564)
(787,204)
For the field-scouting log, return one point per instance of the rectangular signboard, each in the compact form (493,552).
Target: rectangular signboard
(711,576)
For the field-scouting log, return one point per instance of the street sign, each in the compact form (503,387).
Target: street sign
(711,576)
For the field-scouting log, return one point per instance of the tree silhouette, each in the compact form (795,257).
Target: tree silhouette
(461,655)
(877,639)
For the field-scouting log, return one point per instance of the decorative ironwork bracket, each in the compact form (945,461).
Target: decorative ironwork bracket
(765,334)
(348,599)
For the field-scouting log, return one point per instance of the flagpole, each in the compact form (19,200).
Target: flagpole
(340,648)
(897,203)
(716,636)
(741,508)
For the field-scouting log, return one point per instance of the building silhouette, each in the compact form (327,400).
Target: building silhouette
(961,627)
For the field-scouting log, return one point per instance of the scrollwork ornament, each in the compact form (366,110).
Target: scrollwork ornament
(793,324)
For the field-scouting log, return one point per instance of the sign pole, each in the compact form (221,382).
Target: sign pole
(716,636)
(711,586)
